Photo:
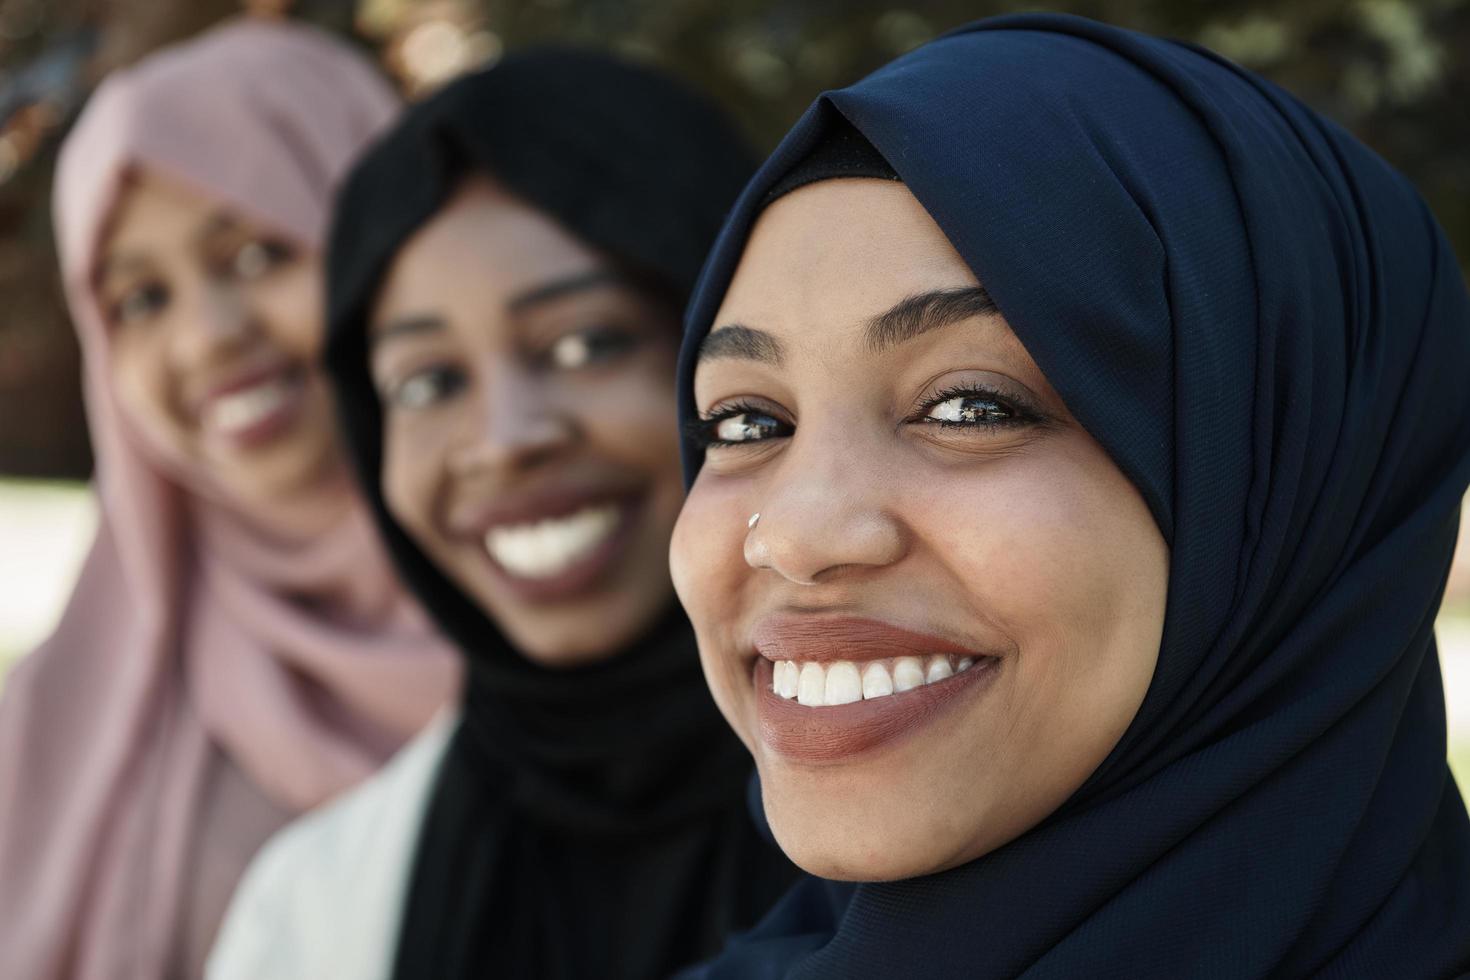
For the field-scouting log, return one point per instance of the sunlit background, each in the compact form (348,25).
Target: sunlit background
(1395,72)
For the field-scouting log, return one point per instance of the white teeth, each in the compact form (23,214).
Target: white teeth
(843,682)
(843,685)
(239,410)
(908,674)
(876,682)
(784,679)
(551,546)
(811,686)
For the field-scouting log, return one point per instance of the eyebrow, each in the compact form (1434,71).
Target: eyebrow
(905,320)
(745,343)
(561,288)
(223,223)
(420,323)
(217,222)
(408,325)
(112,265)
(923,312)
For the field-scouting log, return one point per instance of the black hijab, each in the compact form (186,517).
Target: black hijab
(1262,324)
(585,822)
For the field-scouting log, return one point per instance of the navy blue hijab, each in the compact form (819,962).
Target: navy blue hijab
(1262,324)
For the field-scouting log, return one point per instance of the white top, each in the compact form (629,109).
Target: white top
(324,897)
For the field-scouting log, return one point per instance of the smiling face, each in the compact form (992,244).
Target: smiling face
(949,608)
(214,327)
(530,434)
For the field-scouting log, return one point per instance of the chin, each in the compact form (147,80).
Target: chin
(592,623)
(842,828)
(281,474)
(865,857)
(560,656)
(565,638)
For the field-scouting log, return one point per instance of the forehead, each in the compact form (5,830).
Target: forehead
(154,211)
(836,252)
(482,246)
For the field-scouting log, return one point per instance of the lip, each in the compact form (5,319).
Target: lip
(834,734)
(825,639)
(247,377)
(528,505)
(267,428)
(578,579)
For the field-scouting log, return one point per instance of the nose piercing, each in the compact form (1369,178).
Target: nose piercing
(754,519)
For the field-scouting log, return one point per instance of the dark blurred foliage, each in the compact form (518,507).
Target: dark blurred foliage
(1396,72)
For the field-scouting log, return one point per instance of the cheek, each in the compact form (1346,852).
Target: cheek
(412,461)
(710,574)
(706,555)
(1071,567)
(291,310)
(633,414)
(1051,543)
(631,421)
(142,380)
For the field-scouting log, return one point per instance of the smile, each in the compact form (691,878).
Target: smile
(254,410)
(829,689)
(548,547)
(844,682)
(554,545)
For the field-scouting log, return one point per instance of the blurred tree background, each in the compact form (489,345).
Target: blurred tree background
(1396,72)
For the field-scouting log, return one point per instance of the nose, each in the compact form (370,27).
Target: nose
(216,321)
(822,518)
(520,424)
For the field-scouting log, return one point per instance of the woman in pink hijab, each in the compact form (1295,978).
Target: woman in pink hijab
(237,649)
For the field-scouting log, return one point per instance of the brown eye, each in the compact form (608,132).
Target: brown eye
(745,427)
(588,347)
(426,388)
(139,304)
(256,257)
(970,409)
(739,425)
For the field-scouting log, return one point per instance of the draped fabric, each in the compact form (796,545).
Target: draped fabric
(197,650)
(1262,324)
(587,821)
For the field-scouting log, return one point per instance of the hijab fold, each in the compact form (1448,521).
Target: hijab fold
(194,641)
(1262,324)
(586,821)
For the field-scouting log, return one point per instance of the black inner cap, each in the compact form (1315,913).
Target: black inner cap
(843,152)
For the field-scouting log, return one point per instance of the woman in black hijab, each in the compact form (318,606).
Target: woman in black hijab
(1078,429)
(506,270)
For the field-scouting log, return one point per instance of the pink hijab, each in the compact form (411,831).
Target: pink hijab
(193,641)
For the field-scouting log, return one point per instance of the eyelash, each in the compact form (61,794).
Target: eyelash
(228,263)
(1018,415)
(702,430)
(603,345)
(447,380)
(155,295)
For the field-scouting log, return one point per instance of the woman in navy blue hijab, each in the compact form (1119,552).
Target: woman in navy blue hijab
(1077,431)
